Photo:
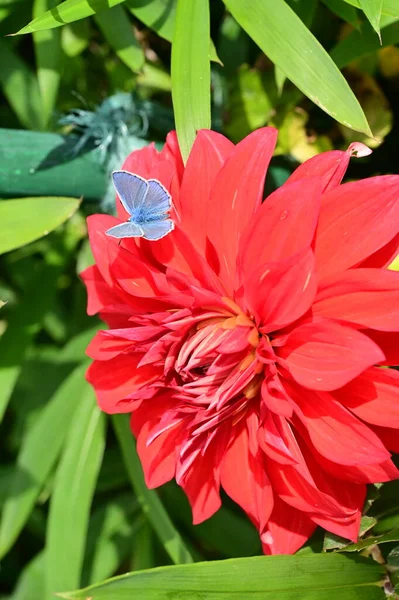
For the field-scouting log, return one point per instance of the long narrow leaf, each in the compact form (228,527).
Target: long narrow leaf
(67,12)
(344,11)
(20,87)
(280,33)
(191,73)
(389,7)
(27,219)
(372,9)
(72,496)
(306,577)
(148,499)
(48,60)
(38,454)
(118,32)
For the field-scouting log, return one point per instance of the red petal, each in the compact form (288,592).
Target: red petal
(323,355)
(208,154)
(201,481)
(368,297)
(104,347)
(289,529)
(356,220)
(99,294)
(116,379)
(99,242)
(388,342)
(346,528)
(389,437)
(244,478)
(283,225)
(330,166)
(279,293)
(373,397)
(383,257)
(236,195)
(334,431)
(159,457)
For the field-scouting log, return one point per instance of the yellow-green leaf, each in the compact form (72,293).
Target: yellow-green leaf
(191,71)
(27,219)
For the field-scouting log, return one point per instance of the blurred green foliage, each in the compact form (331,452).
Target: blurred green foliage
(75,510)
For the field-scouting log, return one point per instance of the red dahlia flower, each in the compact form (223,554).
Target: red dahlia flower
(247,344)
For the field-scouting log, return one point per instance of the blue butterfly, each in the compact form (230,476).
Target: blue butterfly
(147,203)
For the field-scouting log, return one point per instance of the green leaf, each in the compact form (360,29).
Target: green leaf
(30,583)
(118,32)
(37,456)
(158,15)
(75,37)
(191,72)
(72,496)
(27,219)
(280,33)
(67,12)
(20,87)
(372,9)
(143,554)
(334,542)
(48,60)
(109,541)
(306,577)
(391,536)
(23,324)
(344,11)
(148,499)
(389,7)
(357,44)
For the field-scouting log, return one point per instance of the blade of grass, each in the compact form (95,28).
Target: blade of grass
(37,456)
(48,60)
(118,31)
(191,73)
(280,33)
(72,496)
(372,9)
(148,499)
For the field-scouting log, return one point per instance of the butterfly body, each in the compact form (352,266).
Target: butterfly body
(147,202)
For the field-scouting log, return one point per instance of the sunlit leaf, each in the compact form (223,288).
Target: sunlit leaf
(389,7)
(67,12)
(118,31)
(148,499)
(280,33)
(372,9)
(72,496)
(24,220)
(306,577)
(30,583)
(191,73)
(75,37)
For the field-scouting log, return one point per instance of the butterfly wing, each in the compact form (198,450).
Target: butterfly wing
(157,200)
(125,230)
(131,189)
(155,230)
